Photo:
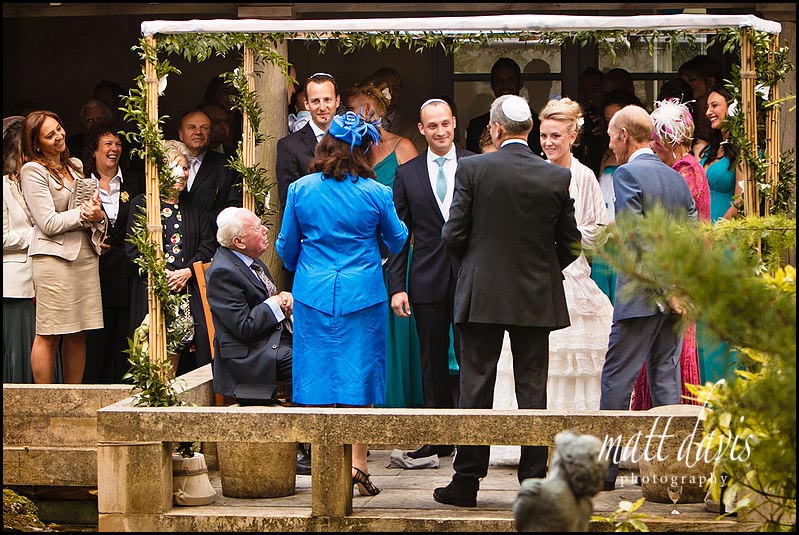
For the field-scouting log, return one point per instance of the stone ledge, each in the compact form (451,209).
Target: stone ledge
(69,467)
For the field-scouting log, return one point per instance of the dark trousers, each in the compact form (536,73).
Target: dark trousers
(106,360)
(433,321)
(481,344)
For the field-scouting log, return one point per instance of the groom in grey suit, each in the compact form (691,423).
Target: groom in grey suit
(511,224)
(643,331)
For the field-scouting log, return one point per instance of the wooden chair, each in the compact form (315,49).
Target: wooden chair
(199,272)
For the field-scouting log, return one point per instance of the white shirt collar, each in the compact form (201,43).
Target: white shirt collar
(450,155)
(514,140)
(316,130)
(639,152)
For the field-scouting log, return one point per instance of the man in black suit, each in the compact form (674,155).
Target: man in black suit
(506,79)
(433,271)
(295,151)
(211,186)
(512,226)
(252,342)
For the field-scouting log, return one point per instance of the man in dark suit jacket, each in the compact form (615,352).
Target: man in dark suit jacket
(512,226)
(643,330)
(212,186)
(433,271)
(252,342)
(506,79)
(295,151)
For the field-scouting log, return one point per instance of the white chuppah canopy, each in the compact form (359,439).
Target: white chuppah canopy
(459,25)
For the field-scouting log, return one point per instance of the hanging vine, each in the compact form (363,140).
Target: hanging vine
(770,70)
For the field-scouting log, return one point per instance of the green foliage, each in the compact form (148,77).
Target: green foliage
(625,517)
(20,514)
(771,69)
(730,275)
(149,377)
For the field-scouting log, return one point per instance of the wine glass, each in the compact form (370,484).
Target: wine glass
(675,491)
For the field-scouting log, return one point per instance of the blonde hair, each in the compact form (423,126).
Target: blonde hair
(566,110)
(175,148)
(375,89)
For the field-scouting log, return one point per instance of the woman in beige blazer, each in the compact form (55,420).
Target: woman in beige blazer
(64,249)
(19,310)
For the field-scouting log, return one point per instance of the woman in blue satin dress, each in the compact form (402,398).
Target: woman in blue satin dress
(371,98)
(716,359)
(329,236)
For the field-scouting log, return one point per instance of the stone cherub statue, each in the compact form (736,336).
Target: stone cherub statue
(562,501)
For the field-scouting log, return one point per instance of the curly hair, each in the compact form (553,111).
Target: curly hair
(97,131)
(376,90)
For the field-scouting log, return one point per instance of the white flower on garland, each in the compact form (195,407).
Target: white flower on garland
(732,109)
(763,90)
(162,85)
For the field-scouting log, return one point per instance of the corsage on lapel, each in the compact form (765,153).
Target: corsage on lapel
(124,197)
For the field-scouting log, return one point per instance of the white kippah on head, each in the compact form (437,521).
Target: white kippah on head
(226,215)
(516,109)
(433,101)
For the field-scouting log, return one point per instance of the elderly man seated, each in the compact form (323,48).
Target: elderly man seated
(252,345)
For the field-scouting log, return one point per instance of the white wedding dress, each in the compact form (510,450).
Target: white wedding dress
(576,353)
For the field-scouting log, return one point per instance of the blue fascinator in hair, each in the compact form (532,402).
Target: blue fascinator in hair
(352,128)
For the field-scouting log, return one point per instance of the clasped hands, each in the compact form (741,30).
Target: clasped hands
(285,301)
(177,279)
(91,210)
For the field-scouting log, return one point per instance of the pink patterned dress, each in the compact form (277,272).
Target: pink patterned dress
(695,176)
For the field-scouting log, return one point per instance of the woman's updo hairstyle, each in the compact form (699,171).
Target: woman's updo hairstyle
(566,110)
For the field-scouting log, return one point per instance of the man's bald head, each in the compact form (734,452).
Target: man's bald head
(636,121)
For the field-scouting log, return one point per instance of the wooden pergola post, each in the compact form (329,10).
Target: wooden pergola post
(270,88)
(248,138)
(157,333)
(749,109)
(773,133)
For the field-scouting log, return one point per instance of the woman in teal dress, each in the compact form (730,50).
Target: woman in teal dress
(716,359)
(370,98)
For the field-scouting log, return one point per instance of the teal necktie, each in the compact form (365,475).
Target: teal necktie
(441,181)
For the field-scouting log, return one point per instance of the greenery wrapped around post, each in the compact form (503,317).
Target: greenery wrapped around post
(748,298)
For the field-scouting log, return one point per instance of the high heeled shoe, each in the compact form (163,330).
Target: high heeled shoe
(364,483)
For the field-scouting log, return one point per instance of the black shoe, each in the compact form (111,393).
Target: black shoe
(452,495)
(304,466)
(428,451)
(303,461)
(610,485)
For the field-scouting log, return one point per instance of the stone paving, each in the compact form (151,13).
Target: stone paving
(407,495)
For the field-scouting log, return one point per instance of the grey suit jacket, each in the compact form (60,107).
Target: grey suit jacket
(512,225)
(639,185)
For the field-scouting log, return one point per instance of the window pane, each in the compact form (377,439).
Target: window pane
(541,73)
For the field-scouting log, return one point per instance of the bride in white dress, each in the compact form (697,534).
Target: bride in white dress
(576,353)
